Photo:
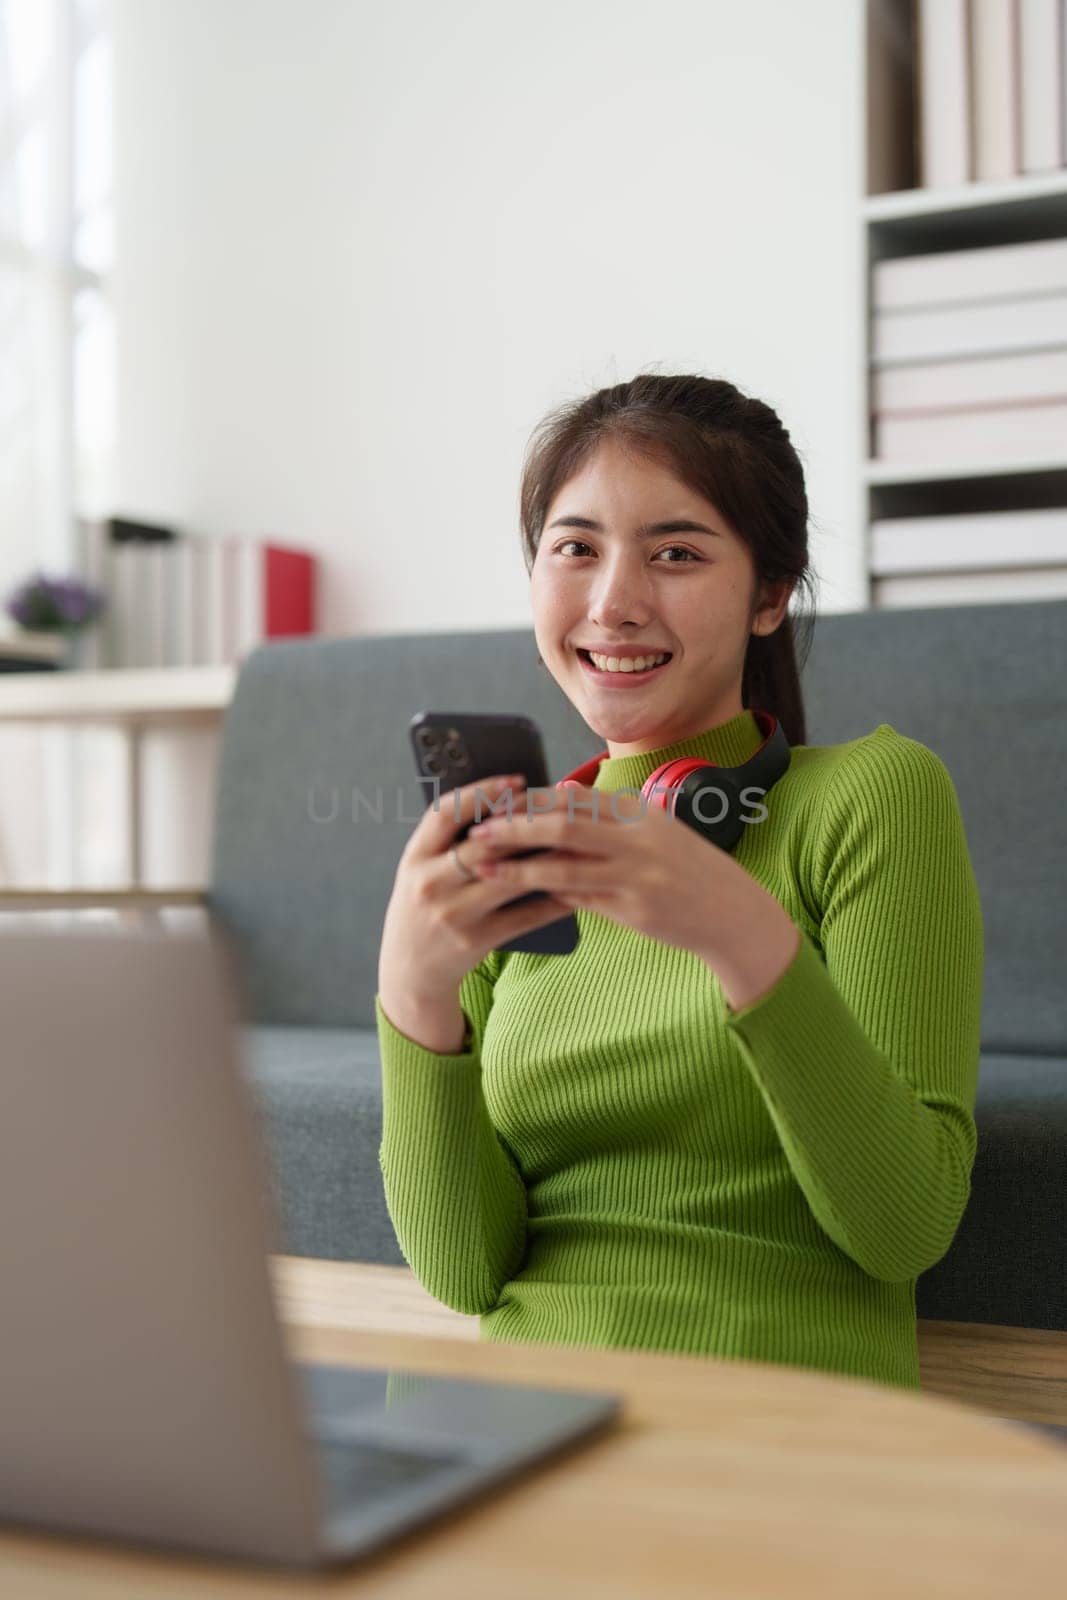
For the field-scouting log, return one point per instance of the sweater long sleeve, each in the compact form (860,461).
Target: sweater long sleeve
(867,1055)
(621,1159)
(442,1159)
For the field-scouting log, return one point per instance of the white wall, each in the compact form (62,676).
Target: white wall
(362,248)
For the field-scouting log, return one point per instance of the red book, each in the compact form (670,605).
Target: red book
(289,585)
(272,594)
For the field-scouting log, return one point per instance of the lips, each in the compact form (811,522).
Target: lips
(621,680)
(623,652)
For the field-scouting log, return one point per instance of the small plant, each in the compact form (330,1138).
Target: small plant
(55,605)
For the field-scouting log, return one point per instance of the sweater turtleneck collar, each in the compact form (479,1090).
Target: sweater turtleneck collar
(729,744)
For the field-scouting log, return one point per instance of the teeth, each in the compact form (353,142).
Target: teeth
(635,664)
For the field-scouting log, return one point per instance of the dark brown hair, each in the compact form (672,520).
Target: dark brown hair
(731,449)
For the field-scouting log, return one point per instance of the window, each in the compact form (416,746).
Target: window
(57,356)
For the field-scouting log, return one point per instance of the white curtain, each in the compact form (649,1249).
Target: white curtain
(56,372)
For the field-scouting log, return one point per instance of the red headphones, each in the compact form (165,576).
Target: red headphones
(679,786)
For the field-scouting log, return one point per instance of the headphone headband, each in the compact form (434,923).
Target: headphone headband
(669,786)
(763,768)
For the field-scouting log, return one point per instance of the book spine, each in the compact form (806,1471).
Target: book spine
(968,588)
(34,647)
(214,602)
(181,651)
(135,557)
(96,564)
(251,599)
(231,564)
(172,599)
(984,381)
(944,93)
(1040,68)
(131,586)
(157,582)
(144,611)
(953,276)
(290,591)
(1010,433)
(995,85)
(992,539)
(972,330)
(200,627)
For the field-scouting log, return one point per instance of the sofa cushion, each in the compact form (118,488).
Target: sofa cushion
(1006,1263)
(319,1092)
(319,1095)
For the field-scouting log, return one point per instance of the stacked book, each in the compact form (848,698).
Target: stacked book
(184,600)
(991,89)
(967,558)
(26,650)
(969,355)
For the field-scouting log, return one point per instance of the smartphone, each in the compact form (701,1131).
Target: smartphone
(453,748)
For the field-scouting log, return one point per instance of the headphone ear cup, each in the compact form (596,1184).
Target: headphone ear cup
(707,797)
(710,802)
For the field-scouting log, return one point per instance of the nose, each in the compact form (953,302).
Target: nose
(619,594)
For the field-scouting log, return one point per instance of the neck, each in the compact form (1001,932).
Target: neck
(725,744)
(672,735)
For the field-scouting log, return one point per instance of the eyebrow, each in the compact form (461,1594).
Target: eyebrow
(648,530)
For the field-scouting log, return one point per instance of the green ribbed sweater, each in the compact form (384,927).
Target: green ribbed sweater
(620,1159)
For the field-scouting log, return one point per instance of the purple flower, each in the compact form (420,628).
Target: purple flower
(54,604)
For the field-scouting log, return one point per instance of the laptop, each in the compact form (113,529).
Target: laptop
(145,1389)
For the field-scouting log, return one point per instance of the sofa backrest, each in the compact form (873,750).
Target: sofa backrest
(317,730)
(985,687)
(311,723)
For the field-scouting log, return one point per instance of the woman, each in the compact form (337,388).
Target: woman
(737,1120)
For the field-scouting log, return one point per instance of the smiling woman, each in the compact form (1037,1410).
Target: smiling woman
(690,500)
(737,1119)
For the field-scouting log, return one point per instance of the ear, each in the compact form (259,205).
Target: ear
(774,604)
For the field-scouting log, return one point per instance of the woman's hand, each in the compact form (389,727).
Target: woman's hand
(639,866)
(439,923)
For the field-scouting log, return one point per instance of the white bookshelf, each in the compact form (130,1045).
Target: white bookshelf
(120,695)
(898,218)
(177,712)
(974,204)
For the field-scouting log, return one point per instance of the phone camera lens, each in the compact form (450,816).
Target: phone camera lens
(433,767)
(426,738)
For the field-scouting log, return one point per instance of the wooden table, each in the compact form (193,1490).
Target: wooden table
(728,1479)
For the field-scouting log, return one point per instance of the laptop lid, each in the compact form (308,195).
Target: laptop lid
(144,1390)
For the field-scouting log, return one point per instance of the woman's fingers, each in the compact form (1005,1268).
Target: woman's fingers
(456,809)
(549,872)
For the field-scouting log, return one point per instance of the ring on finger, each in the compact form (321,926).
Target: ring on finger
(472,877)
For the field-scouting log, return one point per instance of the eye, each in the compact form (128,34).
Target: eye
(684,549)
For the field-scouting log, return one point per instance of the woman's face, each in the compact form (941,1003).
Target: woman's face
(631,556)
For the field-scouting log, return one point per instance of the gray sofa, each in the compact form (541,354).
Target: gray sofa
(302,875)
